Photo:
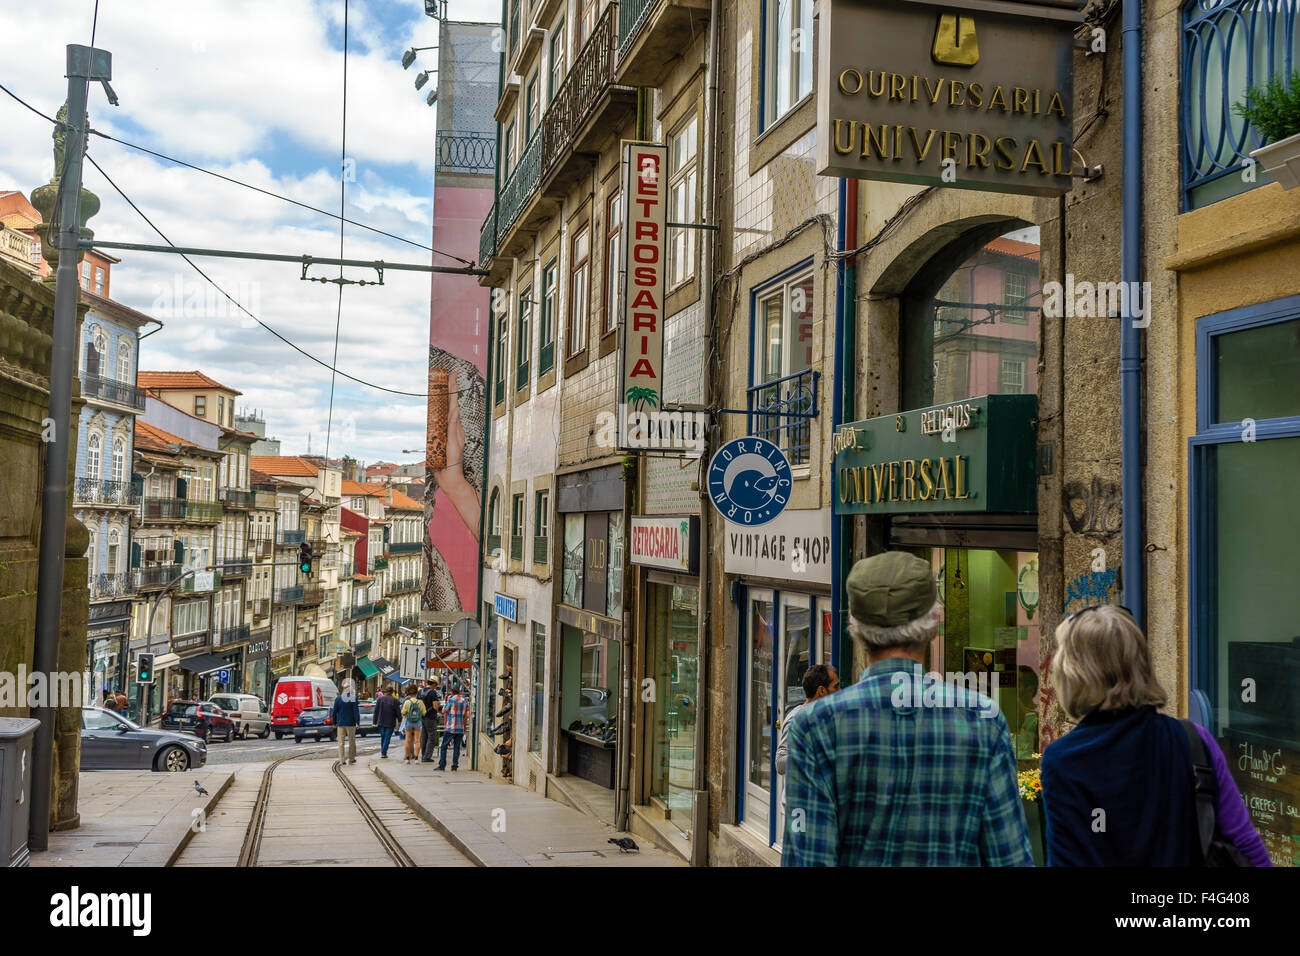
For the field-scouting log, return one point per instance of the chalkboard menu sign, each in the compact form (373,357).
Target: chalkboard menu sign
(1269,777)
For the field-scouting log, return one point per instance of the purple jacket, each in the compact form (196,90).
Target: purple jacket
(1234,819)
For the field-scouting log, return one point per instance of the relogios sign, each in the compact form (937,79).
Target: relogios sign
(973,95)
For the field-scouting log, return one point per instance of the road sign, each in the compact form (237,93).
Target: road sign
(223,676)
(466,633)
(411,662)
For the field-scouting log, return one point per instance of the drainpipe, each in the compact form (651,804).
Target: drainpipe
(700,816)
(839,553)
(1130,363)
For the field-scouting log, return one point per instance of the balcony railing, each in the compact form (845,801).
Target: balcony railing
(487,237)
(632,15)
(403,620)
(406,584)
(188,585)
(290,538)
(111,585)
(521,185)
(782,411)
(162,509)
(235,498)
(261,607)
(467,152)
(379,564)
(235,567)
(358,611)
(231,635)
(405,547)
(312,594)
(591,73)
(92,491)
(111,390)
(541,550)
(203,510)
(348,569)
(158,576)
(288,595)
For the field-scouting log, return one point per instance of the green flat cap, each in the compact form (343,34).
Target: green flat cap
(890,589)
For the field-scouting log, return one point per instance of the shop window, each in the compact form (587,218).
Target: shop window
(683,181)
(614,574)
(578,303)
(613,262)
(672,623)
(574,556)
(962,334)
(1244,458)
(523,343)
(537,703)
(787,56)
(546,323)
(557,60)
(783,389)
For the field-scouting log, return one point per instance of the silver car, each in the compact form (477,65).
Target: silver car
(110,741)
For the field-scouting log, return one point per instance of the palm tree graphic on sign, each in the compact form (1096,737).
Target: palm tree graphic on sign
(639,395)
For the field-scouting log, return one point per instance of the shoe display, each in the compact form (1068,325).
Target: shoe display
(506,708)
(501,728)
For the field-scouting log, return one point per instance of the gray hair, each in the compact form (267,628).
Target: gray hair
(922,630)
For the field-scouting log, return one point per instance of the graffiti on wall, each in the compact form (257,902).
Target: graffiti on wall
(1093,508)
(1091,587)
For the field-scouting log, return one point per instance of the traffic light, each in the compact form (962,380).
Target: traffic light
(144,669)
(304,557)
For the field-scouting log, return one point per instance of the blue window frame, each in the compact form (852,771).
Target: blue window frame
(785,58)
(782,397)
(1228,46)
(1243,462)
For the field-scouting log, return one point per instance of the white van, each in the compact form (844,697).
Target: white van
(247,712)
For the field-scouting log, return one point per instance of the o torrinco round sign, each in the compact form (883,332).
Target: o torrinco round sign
(749,481)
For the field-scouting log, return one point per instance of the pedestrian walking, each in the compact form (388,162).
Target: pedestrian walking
(895,770)
(109,702)
(1121,788)
(455,712)
(122,703)
(345,714)
(818,681)
(412,722)
(386,715)
(432,701)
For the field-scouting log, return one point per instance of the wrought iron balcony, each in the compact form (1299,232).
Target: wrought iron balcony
(111,390)
(228,636)
(379,564)
(203,510)
(236,498)
(487,238)
(235,567)
(653,33)
(290,538)
(312,594)
(402,620)
(157,576)
(188,586)
(111,585)
(291,595)
(586,92)
(162,509)
(520,187)
(541,550)
(405,547)
(92,491)
(406,584)
(358,611)
(348,569)
(466,152)
(782,411)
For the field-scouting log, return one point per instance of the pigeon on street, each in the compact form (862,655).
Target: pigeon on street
(624,844)
(198,788)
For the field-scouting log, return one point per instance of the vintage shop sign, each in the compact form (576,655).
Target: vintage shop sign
(974,95)
(670,542)
(974,455)
(645,188)
(794,546)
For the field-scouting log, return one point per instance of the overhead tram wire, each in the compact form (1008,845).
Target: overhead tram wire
(237,303)
(343,196)
(238,182)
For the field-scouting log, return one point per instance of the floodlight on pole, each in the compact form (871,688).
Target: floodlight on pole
(432,97)
(409,56)
(423,78)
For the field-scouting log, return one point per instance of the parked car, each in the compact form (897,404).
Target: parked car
(110,741)
(201,718)
(367,725)
(314,722)
(292,694)
(248,711)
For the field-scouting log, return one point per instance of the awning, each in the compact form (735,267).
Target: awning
(385,668)
(203,664)
(366,667)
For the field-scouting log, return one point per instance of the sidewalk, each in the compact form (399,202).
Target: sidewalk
(499,824)
(134,817)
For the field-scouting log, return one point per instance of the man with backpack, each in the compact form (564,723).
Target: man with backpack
(412,723)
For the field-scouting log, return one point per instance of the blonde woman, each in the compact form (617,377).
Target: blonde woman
(1119,789)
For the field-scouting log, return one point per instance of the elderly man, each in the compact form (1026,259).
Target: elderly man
(895,771)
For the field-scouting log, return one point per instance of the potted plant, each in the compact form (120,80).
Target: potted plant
(1274,110)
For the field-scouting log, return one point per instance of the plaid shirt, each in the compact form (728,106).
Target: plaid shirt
(850,770)
(454,712)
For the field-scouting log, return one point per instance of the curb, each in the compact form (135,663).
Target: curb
(213,800)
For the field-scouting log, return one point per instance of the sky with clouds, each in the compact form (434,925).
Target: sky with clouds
(254,90)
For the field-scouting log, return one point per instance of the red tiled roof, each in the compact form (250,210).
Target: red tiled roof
(1013,247)
(186,380)
(351,487)
(283,465)
(398,500)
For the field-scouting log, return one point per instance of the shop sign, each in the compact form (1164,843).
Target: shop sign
(941,93)
(279,665)
(587,622)
(974,456)
(512,609)
(749,481)
(645,187)
(182,644)
(258,649)
(795,546)
(666,541)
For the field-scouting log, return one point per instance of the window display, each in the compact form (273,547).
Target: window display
(672,621)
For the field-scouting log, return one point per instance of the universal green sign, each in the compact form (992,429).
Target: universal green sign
(968,456)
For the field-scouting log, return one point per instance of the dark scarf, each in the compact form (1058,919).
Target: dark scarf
(1134,765)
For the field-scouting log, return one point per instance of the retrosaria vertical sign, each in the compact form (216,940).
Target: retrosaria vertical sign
(645,191)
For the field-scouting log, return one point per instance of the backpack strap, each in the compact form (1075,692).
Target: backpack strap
(1207,787)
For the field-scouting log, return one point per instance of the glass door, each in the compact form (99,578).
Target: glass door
(760,649)
(795,641)
(673,622)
